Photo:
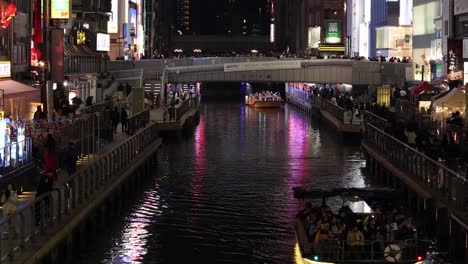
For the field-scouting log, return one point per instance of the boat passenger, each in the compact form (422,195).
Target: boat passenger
(355,240)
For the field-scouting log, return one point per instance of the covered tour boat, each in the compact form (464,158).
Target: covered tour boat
(358,232)
(264,100)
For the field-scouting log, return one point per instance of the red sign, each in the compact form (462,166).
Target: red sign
(8,14)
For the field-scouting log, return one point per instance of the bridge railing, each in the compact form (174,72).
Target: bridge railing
(428,173)
(35,220)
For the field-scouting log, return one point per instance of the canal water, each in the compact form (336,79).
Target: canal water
(224,195)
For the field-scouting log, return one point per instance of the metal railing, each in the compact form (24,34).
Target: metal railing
(333,109)
(299,94)
(175,113)
(336,250)
(138,121)
(99,107)
(375,120)
(428,173)
(317,101)
(34,220)
(15,155)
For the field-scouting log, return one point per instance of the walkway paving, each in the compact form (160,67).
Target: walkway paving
(119,137)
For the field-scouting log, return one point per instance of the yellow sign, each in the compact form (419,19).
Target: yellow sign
(5,69)
(60,9)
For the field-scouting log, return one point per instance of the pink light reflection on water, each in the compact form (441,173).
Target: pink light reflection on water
(297,147)
(297,158)
(199,168)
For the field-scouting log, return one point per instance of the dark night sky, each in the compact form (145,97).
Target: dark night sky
(214,17)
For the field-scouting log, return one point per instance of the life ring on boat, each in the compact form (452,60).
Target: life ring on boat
(392,253)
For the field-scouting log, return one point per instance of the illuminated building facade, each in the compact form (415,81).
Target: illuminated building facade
(183,16)
(127,30)
(426,35)
(314,27)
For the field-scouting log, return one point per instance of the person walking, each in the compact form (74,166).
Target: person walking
(115,117)
(124,119)
(71,157)
(10,203)
(45,186)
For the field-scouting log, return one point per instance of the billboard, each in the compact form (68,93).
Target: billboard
(102,42)
(460,7)
(113,23)
(60,9)
(332,31)
(5,69)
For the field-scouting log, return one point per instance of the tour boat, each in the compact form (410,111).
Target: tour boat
(336,249)
(265,102)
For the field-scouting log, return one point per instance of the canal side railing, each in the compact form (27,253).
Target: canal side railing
(173,114)
(38,219)
(430,174)
(333,109)
(138,121)
(375,120)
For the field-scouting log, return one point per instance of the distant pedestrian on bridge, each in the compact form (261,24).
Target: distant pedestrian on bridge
(115,117)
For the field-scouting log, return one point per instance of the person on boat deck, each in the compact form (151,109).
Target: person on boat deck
(355,238)
(322,233)
(336,226)
(313,227)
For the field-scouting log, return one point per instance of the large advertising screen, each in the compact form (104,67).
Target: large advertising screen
(313,37)
(60,9)
(332,31)
(113,23)
(102,42)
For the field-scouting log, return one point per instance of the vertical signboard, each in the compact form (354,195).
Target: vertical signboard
(59,9)
(332,31)
(113,23)
(56,55)
(465,48)
(465,72)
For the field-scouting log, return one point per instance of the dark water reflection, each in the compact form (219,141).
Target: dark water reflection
(224,195)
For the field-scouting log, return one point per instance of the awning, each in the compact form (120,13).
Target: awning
(14,89)
(420,88)
(77,50)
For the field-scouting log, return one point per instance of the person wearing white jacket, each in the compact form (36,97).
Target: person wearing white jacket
(9,204)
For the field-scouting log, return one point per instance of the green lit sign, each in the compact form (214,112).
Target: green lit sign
(60,9)
(333,31)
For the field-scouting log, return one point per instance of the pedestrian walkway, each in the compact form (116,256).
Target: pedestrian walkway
(119,137)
